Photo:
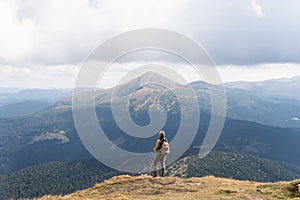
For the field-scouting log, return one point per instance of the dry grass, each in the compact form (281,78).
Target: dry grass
(145,187)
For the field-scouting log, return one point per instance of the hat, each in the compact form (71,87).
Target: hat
(162,134)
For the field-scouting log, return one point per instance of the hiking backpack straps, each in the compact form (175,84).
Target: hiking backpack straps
(162,140)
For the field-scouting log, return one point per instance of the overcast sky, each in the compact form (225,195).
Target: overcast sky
(44,43)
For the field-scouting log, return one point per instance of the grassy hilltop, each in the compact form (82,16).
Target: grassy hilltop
(145,187)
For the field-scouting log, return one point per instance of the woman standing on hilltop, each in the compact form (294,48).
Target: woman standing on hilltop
(161,149)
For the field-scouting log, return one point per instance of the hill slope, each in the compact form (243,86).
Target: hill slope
(23,108)
(19,144)
(234,165)
(67,177)
(53,178)
(51,95)
(146,187)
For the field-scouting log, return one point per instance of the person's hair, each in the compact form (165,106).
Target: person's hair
(162,134)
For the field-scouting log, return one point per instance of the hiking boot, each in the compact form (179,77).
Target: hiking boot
(162,172)
(154,173)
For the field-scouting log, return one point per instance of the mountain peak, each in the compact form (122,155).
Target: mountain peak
(150,74)
(153,77)
(147,79)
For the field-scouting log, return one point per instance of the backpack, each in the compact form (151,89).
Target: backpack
(165,148)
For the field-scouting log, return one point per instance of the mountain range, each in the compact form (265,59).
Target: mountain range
(18,102)
(285,88)
(263,125)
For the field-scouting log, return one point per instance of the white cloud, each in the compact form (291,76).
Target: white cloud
(257,9)
(52,32)
(64,76)
(46,39)
(258,72)
(295,119)
(228,73)
(16,34)
(64,32)
(58,76)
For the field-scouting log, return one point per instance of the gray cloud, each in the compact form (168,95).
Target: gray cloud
(234,34)
(65,32)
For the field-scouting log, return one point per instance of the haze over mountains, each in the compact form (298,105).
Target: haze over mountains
(272,102)
(259,102)
(259,122)
(280,88)
(16,102)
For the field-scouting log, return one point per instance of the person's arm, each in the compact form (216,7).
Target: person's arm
(156,146)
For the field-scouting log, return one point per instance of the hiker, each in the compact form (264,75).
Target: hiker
(161,149)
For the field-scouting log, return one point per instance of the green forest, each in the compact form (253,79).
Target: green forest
(67,177)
